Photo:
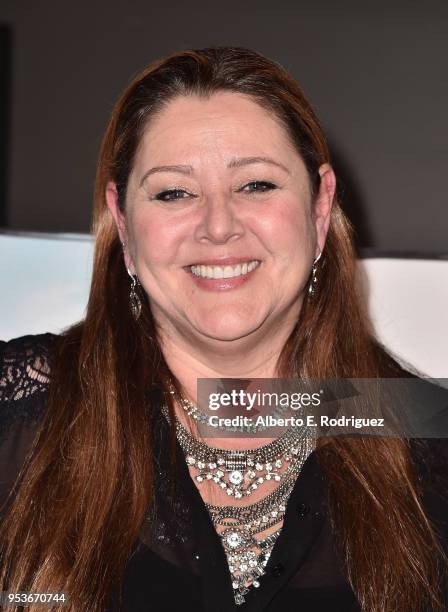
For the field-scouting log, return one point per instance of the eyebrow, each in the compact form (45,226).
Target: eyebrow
(237,162)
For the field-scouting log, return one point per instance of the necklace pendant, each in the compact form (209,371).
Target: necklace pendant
(234,539)
(236,477)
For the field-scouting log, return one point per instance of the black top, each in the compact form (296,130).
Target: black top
(178,561)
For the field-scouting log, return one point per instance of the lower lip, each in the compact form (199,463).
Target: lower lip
(222,284)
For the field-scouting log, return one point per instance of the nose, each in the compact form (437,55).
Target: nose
(219,222)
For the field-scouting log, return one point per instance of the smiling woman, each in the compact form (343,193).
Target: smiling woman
(221,252)
(238,212)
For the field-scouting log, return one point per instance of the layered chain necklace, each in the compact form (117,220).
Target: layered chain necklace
(239,473)
(240,529)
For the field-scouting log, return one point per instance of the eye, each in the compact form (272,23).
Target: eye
(258,186)
(171,195)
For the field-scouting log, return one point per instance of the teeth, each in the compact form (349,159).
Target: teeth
(224,271)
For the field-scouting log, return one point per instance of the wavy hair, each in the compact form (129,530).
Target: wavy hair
(88,483)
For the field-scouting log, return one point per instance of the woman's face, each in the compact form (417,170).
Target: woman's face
(220,226)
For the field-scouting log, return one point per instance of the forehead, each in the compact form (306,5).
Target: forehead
(224,124)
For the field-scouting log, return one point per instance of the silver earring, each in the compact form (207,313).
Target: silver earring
(313,281)
(134,300)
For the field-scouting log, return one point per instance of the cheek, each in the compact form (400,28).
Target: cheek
(288,230)
(153,246)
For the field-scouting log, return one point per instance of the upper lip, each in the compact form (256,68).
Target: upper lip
(223,261)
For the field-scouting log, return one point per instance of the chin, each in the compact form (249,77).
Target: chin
(228,328)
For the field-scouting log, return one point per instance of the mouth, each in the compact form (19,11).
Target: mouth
(220,272)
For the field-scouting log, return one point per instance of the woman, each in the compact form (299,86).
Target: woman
(221,252)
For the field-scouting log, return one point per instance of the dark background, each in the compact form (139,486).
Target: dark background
(376,72)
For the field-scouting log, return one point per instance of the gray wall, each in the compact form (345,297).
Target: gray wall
(376,73)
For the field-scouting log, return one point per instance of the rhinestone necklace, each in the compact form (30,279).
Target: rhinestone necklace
(238,526)
(240,472)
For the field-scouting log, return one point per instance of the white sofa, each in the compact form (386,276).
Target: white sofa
(45,282)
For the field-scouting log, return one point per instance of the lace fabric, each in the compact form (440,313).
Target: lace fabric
(24,376)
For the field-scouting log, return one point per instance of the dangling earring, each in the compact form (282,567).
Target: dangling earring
(134,300)
(313,281)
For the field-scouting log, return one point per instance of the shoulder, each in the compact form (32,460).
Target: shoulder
(25,366)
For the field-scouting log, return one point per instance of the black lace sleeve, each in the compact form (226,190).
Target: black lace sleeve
(24,377)
(24,381)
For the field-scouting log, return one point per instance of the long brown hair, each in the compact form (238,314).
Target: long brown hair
(88,482)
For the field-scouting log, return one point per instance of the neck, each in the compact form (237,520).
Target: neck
(190,357)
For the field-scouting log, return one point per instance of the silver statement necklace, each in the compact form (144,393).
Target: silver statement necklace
(240,473)
(241,531)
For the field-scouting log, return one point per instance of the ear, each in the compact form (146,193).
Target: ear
(120,222)
(323,203)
